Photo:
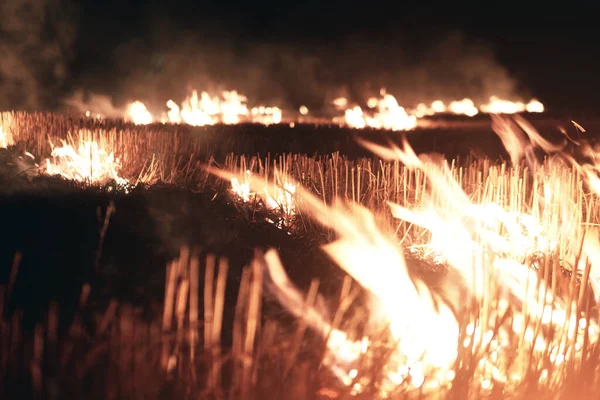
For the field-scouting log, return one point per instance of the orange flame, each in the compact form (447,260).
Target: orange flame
(490,243)
(200,110)
(383,112)
(500,106)
(84,162)
(388,114)
(138,113)
(3,139)
(276,197)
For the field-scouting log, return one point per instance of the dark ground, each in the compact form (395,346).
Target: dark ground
(57,232)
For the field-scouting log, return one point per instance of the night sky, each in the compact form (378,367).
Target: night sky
(304,52)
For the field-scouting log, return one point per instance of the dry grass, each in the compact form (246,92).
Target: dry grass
(119,354)
(267,359)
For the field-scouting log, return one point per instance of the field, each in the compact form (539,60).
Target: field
(471,278)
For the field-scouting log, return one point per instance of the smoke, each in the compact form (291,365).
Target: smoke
(36,38)
(95,104)
(164,60)
(455,69)
(170,62)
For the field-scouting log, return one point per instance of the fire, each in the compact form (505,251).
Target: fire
(458,107)
(230,107)
(3,139)
(241,189)
(388,114)
(6,137)
(138,113)
(534,106)
(500,106)
(495,241)
(340,103)
(467,107)
(383,112)
(84,161)
(509,238)
(206,110)
(276,197)
(420,350)
(266,115)
(463,107)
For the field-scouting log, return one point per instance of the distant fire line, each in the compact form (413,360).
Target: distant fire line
(383,112)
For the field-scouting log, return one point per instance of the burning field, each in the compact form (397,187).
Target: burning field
(235,252)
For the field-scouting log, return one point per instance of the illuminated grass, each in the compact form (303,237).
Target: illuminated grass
(184,352)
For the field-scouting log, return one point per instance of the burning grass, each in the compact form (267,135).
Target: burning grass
(383,112)
(514,313)
(522,316)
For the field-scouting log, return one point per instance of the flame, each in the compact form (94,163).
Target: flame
(467,107)
(420,350)
(340,103)
(266,115)
(534,106)
(383,112)
(276,197)
(230,107)
(388,114)
(241,189)
(500,106)
(206,110)
(3,139)
(463,107)
(507,238)
(283,198)
(6,137)
(495,241)
(84,161)
(138,113)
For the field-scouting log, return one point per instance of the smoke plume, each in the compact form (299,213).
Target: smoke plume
(156,59)
(170,62)
(36,38)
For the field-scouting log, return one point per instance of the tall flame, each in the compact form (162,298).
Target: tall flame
(6,138)
(3,139)
(495,242)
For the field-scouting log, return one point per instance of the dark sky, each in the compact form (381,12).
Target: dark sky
(303,51)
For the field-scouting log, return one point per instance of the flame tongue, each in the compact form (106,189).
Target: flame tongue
(492,243)
(202,109)
(5,138)
(411,312)
(84,162)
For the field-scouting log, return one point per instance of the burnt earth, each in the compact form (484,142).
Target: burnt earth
(55,226)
